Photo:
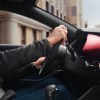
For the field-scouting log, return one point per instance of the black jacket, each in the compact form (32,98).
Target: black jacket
(15,59)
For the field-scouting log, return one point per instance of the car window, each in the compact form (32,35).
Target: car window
(20,30)
(55,7)
(80,13)
(64,9)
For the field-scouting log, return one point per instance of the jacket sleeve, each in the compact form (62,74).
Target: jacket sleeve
(26,71)
(14,59)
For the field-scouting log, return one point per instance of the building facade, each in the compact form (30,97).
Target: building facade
(17,29)
(97,26)
(79,13)
(75,12)
(55,7)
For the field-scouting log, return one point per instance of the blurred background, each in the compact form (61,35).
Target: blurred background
(16,29)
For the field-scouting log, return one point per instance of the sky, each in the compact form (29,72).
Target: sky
(91,12)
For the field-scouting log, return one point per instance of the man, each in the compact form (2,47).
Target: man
(13,60)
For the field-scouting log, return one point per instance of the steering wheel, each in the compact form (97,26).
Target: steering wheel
(65,56)
(52,60)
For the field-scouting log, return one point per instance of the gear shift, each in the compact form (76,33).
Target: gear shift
(50,92)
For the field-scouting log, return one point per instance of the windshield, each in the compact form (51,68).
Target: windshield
(19,26)
(80,13)
(55,7)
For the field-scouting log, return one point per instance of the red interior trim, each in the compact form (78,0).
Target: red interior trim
(92,46)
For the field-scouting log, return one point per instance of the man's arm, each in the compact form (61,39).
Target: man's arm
(30,69)
(21,56)
(12,60)
(24,72)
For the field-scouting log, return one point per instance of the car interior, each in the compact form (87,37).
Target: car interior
(78,60)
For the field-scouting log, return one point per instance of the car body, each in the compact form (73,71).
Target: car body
(89,53)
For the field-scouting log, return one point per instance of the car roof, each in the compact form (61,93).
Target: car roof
(21,7)
(19,1)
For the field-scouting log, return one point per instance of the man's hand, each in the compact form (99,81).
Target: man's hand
(39,62)
(58,34)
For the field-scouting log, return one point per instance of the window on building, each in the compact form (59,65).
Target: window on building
(86,25)
(34,35)
(47,6)
(52,9)
(23,32)
(74,11)
(47,34)
(57,13)
(64,17)
(61,15)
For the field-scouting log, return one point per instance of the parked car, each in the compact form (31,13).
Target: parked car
(77,64)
